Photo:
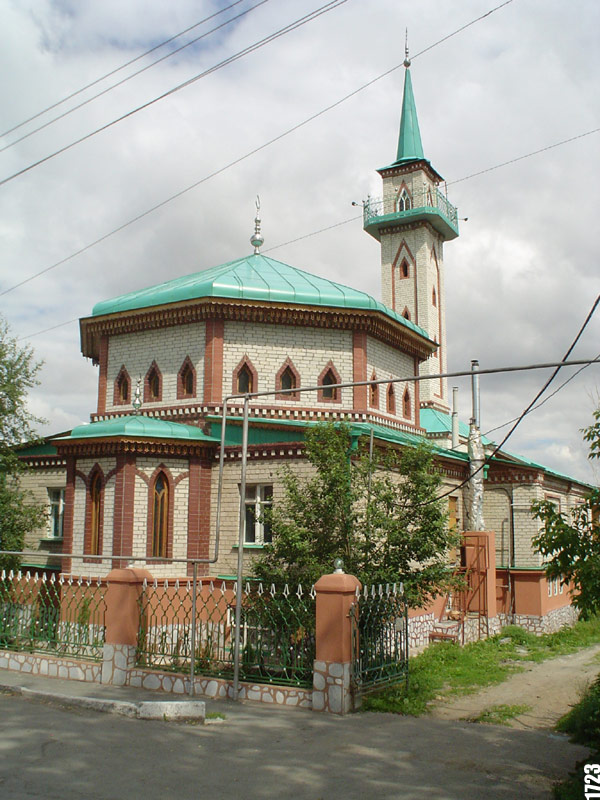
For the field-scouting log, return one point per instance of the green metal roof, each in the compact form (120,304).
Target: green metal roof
(410,147)
(139,427)
(254,277)
(435,421)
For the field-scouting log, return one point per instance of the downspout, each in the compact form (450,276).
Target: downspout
(455,435)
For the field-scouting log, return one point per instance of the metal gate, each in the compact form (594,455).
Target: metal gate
(379,617)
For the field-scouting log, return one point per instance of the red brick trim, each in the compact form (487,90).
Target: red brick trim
(103,374)
(124,507)
(213,361)
(181,392)
(408,259)
(147,394)
(337,393)
(68,513)
(417,395)
(287,364)
(199,496)
(123,375)
(245,362)
(359,370)
(170,511)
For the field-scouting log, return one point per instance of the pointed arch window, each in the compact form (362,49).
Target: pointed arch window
(404,269)
(406,404)
(122,390)
(160,516)
(434,297)
(327,380)
(244,380)
(245,377)
(404,201)
(288,378)
(406,313)
(153,384)
(391,399)
(186,380)
(94,514)
(374,392)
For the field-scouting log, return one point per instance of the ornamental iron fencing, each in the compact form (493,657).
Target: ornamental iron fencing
(62,616)
(379,617)
(188,626)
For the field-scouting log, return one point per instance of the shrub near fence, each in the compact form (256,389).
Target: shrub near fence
(277,631)
(59,616)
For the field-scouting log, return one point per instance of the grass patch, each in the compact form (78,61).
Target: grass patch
(583,724)
(445,669)
(500,714)
(215,715)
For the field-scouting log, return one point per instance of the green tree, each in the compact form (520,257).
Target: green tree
(18,514)
(382,516)
(570,542)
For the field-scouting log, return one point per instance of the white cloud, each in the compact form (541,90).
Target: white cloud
(519,280)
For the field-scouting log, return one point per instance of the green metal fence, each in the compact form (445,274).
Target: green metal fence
(59,616)
(277,631)
(379,617)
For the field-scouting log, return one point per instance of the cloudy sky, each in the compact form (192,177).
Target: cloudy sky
(521,278)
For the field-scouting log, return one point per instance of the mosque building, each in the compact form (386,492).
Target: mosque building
(141,479)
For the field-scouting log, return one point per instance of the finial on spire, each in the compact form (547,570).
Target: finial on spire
(137,400)
(406,58)
(257,240)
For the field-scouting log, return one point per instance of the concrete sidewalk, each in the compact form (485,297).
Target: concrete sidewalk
(51,750)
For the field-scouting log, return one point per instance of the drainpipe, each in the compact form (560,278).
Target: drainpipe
(455,436)
(476,457)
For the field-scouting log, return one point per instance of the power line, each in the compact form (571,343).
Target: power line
(118,69)
(521,416)
(133,75)
(330,6)
(226,167)
(545,400)
(527,155)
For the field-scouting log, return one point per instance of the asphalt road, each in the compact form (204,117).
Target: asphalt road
(48,751)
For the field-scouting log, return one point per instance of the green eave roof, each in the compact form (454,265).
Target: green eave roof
(270,431)
(140,427)
(253,278)
(435,421)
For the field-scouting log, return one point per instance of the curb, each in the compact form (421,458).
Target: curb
(146,709)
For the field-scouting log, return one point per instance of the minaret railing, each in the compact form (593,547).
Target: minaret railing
(430,199)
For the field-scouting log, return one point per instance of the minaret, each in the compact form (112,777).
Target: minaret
(412,221)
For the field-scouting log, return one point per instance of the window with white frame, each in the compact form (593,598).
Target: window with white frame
(56,498)
(257,529)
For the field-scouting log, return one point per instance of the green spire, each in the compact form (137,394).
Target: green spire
(409,141)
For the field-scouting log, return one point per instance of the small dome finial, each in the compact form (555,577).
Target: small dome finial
(406,58)
(137,400)
(257,240)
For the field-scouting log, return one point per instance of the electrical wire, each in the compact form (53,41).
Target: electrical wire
(118,69)
(133,75)
(330,6)
(521,416)
(544,401)
(233,163)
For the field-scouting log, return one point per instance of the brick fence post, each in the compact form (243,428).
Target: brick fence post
(333,661)
(122,621)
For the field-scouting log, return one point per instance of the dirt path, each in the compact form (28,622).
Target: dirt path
(549,688)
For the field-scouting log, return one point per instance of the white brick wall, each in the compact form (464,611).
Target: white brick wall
(388,362)
(169,348)
(268,346)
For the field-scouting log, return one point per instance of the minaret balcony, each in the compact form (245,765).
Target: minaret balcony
(430,205)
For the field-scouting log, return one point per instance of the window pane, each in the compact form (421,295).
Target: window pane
(249,533)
